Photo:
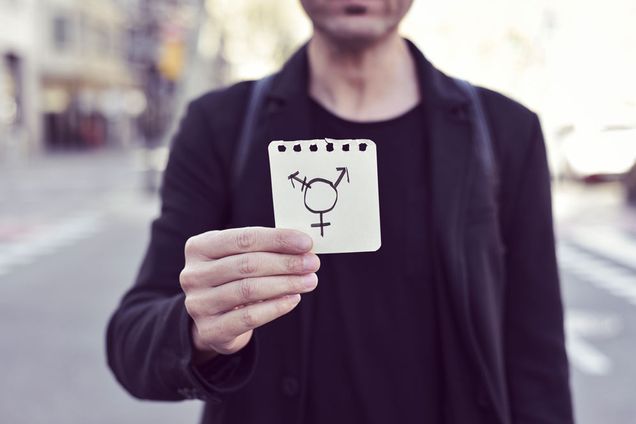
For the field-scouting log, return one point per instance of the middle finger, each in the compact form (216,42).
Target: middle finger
(258,264)
(249,290)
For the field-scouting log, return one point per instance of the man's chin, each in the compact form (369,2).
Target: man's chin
(350,37)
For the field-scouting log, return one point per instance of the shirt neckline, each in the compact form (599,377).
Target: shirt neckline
(326,112)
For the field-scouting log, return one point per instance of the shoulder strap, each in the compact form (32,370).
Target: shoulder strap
(482,134)
(258,91)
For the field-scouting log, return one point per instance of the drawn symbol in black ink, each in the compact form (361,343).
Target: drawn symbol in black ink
(321,195)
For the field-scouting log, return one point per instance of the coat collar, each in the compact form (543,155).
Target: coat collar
(292,82)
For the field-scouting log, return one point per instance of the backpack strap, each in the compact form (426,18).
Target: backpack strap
(258,92)
(481,131)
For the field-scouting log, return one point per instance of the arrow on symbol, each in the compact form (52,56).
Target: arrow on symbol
(343,171)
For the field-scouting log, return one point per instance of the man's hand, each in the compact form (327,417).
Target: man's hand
(239,279)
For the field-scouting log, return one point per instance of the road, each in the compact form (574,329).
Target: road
(597,261)
(72,232)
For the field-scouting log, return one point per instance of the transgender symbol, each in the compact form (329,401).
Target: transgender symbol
(323,197)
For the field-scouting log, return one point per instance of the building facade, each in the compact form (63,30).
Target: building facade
(19,129)
(66,81)
(85,80)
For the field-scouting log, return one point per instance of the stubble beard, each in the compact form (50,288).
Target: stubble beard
(351,41)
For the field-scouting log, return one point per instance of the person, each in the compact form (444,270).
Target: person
(457,318)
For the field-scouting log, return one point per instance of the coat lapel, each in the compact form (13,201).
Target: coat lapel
(287,112)
(284,115)
(451,161)
(454,163)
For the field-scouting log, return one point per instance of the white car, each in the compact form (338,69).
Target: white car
(598,154)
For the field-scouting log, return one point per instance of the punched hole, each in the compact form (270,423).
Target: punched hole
(363,147)
(281,148)
(345,147)
(313,148)
(330,147)
(297,148)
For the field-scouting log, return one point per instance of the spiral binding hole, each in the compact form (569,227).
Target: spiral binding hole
(330,147)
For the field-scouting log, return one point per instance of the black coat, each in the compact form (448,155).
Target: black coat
(500,308)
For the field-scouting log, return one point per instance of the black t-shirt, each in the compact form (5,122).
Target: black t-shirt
(375,351)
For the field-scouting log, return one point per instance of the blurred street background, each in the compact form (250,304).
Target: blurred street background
(91,92)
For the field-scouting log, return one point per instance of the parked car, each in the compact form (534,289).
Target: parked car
(630,186)
(594,154)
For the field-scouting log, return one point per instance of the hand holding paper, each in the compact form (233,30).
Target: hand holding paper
(238,279)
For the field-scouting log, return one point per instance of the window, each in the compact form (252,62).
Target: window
(61,32)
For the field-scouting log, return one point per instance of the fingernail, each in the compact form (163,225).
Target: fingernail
(311,262)
(310,280)
(293,299)
(304,242)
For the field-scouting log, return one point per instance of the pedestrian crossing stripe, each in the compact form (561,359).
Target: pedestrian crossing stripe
(603,273)
(48,240)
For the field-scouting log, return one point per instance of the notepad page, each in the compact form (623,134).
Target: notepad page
(328,189)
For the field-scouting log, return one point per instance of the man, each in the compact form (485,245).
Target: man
(456,319)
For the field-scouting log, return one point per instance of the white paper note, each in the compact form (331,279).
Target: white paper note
(328,189)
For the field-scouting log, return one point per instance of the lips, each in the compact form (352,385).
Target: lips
(355,9)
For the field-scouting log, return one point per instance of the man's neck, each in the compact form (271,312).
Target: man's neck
(373,83)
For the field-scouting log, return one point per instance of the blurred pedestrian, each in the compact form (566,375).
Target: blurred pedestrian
(456,319)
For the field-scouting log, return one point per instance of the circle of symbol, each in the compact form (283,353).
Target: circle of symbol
(330,184)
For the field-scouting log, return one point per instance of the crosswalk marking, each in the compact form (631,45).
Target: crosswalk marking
(608,242)
(582,326)
(48,240)
(602,273)
(602,261)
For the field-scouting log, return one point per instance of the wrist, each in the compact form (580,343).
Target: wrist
(200,354)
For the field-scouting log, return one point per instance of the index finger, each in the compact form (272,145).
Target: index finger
(219,244)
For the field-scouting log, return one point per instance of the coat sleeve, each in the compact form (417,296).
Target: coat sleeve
(149,344)
(536,361)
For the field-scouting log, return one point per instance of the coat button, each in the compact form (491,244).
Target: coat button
(290,386)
